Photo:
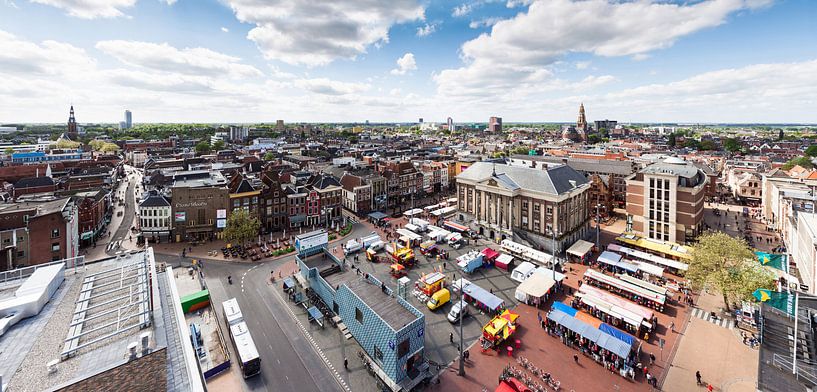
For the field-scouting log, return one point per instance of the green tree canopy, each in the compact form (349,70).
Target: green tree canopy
(812,151)
(63,144)
(691,143)
(218,145)
(726,265)
(203,147)
(9,151)
(671,140)
(241,227)
(732,145)
(520,150)
(109,147)
(707,145)
(799,161)
(269,156)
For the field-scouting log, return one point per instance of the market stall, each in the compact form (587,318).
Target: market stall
(535,290)
(482,299)
(504,262)
(580,251)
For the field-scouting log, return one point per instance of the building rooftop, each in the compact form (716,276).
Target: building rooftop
(387,307)
(43,205)
(87,326)
(624,168)
(554,180)
(198,178)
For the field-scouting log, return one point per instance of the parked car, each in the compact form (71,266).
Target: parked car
(459,308)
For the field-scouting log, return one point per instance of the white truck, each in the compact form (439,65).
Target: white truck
(454,240)
(352,246)
(370,239)
(438,235)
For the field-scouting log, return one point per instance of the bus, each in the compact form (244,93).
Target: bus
(247,354)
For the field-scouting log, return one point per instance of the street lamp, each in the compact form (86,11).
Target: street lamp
(598,224)
(461,371)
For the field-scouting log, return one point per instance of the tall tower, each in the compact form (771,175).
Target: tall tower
(581,124)
(72,125)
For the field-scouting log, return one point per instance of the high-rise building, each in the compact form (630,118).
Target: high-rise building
(72,125)
(450,124)
(279,125)
(665,200)
(604,127)
(128,119)
(495,124)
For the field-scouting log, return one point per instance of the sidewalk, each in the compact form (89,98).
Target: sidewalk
(717,352)
(95,253)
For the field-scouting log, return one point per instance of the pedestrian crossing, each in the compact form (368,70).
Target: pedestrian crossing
(721,322)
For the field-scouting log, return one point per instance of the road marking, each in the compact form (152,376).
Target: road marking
(328,364)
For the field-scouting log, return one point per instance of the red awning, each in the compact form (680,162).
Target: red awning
(490,254)
(512,385)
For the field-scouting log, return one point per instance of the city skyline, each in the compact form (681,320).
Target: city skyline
(717,61)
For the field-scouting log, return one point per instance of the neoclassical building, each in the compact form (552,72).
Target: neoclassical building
(501,201)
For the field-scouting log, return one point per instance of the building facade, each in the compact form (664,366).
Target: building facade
(38,231)
(504,201)
(665,201)
(200,202)
(155,217)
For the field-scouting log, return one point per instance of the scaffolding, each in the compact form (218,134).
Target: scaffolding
(112,302)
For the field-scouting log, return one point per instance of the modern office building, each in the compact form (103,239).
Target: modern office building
(665,200)
(502,201)
(128,119)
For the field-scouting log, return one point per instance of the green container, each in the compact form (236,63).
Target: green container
(191,300)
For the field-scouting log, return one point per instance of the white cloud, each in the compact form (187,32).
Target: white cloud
(166,58)
(461,10)
(508,57)
(21,57)
(90,9)
(582,64)
(405,64)
(225,30)
(426,30)
(330,87)
(316,33)
(484,22)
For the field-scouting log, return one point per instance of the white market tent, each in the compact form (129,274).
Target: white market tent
(580,248)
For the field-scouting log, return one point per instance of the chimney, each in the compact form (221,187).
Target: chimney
(132,353)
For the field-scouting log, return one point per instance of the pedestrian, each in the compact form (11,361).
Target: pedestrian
(652,359)
(576,358)
(451,337)
(698,376)
(672,326)
(655,382)
(345,363)
(649,378)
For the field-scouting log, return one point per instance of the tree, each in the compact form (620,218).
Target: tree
(108,147)
(9,150)
(218,145)
(269,156)
(671,140)
(804,162)
(691,143)
(707,145)
(203,147)
(241,227)
(732,145)
(520,151)
(727,265)
(812,151)
(64,144)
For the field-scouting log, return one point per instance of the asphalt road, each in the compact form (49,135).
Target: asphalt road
(289,362)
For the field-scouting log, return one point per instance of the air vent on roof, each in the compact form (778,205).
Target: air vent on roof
(51,366)
(132,353)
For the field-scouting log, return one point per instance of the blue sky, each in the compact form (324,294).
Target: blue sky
(347,60)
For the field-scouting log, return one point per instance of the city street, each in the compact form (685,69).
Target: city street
(289,360)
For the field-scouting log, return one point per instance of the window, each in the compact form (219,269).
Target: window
(359,317)
(55,233)
(549,210)
(55,247)
(403,348)
(255,200)
(378,355)
(21,253)
(236,203)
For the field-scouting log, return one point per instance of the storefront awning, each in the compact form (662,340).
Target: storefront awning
(86,235)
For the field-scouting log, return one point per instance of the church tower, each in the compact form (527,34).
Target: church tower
(581,124)
(72,125)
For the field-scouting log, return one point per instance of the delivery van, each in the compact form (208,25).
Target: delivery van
(439,298)
(459,308)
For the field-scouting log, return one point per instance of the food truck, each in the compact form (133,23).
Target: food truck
(470,261)
(499,329)
(431,283)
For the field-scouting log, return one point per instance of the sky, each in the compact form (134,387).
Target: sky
(244,61)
